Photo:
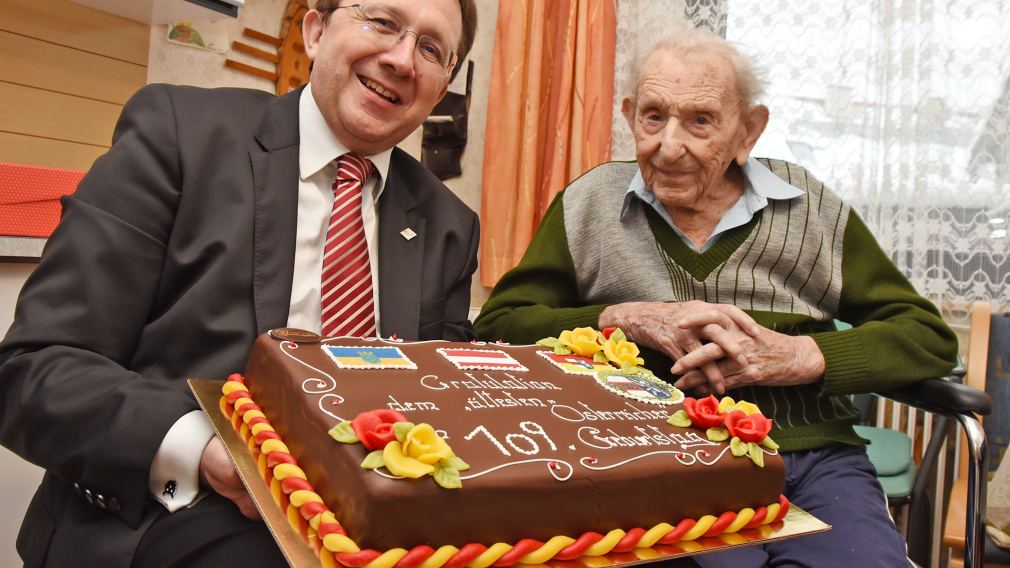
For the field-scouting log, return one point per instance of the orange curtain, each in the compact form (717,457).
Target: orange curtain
(549,113)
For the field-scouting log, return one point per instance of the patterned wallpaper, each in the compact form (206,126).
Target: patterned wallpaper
(183,65)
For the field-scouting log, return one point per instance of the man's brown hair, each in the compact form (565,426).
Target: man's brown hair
(467,8)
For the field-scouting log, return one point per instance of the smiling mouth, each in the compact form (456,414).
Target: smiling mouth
(379,90)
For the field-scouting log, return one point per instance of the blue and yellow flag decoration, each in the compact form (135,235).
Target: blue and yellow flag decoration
(368,357)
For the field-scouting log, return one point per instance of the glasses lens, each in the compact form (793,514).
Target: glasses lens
(431,54)
(432,51)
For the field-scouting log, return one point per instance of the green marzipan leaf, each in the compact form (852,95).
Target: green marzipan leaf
(618,336)
(401,429)
(373,460)
(600,357)
(769,443)
(453,462)
(344,433)
(738,448)
(560,349)
(717,434)
(548,342)
(756,455)
(447,477)
(680,419)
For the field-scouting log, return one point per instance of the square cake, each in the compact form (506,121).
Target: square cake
(541,450)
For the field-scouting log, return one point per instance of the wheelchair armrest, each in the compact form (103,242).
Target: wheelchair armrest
(942,396)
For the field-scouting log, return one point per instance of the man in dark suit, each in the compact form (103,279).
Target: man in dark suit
(209,221)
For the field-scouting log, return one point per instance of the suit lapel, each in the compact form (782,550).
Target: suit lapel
(275,218)
(400,259)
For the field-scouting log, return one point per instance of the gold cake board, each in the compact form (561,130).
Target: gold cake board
(796,523)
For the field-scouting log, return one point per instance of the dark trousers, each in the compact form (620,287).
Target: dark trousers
(838,485)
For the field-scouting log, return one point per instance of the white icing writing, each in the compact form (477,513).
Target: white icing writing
(394,404)
(588,414)
(532,448)
(484,399)
(488,382)
(647,436)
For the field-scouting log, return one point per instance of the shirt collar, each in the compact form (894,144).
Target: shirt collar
(760,185)
(319,147)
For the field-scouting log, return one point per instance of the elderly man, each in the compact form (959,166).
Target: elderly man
(736,268)
(217,215)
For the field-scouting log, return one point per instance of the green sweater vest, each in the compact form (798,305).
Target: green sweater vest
(796,267)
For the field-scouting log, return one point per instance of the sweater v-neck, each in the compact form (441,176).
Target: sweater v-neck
(698,264)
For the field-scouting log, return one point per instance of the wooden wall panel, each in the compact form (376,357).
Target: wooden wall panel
(37,63)
(36,151)
(73,25)
(65,72)
(26,110)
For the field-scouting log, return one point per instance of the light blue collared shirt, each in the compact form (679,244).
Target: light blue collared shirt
(760,185)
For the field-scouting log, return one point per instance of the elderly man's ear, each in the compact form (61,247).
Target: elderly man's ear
(755,119)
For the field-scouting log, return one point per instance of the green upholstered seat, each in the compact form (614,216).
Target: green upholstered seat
(890,453)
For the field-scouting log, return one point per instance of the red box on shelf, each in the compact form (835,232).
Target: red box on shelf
(30,198)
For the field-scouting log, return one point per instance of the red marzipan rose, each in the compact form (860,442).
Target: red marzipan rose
(704,412)
(375,428)
(748,427)
(607,331)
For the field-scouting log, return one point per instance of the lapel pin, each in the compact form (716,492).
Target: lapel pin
(408,233)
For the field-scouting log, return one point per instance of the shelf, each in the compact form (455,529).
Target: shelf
(20,249)
(156,12)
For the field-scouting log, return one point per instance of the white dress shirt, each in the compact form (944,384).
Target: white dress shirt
(174,479)
(317,153)
(760,185)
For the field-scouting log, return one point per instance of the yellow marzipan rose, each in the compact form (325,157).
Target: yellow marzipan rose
(748,408)
(581,340)
(424,445)
(402,465)
(623,352)
(727,405)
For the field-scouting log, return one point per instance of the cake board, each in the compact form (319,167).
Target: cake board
(797,522)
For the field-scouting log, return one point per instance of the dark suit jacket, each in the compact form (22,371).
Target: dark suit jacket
(176,251)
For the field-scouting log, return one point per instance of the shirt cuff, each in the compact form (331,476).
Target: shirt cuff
(175,471)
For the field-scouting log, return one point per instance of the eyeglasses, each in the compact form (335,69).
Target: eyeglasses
(431,55)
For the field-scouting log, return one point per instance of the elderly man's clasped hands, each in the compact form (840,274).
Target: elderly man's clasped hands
(717,347)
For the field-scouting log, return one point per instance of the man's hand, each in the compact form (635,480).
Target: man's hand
(772,359)
(217,471)
(709,332)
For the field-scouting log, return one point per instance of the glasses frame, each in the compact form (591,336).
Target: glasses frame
(361,7)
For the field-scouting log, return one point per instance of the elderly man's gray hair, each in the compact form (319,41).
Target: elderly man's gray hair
(693,41)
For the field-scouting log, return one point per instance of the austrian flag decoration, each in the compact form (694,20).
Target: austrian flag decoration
(481,359)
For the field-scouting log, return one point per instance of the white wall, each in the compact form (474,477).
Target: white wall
(18,478)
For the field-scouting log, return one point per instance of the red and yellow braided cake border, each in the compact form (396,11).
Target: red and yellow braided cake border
(313,520)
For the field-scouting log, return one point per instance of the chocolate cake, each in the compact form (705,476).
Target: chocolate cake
(555,444)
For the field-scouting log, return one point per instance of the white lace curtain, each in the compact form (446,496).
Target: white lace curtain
(901,106)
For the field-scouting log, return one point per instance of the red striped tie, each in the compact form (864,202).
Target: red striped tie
(347,305)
